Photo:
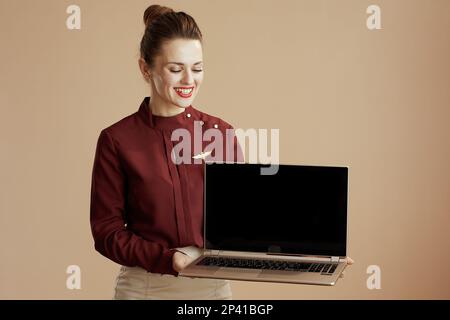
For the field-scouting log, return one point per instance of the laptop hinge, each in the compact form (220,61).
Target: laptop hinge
(335,259)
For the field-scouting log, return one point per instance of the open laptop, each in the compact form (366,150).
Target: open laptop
(287,227)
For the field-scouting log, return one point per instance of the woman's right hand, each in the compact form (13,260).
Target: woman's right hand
(180,261)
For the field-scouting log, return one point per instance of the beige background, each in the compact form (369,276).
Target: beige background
(377,101)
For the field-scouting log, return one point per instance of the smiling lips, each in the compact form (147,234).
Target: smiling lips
(184,92)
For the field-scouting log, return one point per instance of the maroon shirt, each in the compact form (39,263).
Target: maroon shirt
(143,204)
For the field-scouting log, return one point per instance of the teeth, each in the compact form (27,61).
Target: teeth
(184,91)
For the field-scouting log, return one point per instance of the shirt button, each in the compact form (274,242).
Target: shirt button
(188,115)
(216,126)
(202,123)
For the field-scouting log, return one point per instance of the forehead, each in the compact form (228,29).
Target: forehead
(186,51)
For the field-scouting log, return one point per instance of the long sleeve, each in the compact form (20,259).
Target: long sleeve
(107,211)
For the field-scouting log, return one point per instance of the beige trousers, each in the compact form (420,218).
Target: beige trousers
(137,283)
(134,283)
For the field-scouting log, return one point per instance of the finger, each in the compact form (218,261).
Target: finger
(350,260)
(342,275)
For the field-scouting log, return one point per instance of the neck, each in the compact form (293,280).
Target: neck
(163,109)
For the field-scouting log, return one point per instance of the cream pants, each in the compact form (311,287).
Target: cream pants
(135,283)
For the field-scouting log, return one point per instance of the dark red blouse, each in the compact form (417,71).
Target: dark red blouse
(143,204)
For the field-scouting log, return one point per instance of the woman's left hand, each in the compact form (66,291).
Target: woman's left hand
(350,261)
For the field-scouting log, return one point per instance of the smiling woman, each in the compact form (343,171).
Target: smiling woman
(176,75)
(147,210)
(171,59)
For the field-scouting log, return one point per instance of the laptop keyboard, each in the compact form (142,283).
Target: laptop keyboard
(323,268)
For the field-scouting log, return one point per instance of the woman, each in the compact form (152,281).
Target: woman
(146,208)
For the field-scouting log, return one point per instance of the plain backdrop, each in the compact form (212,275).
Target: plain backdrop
(377,101)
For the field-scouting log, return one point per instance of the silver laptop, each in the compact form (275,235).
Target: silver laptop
(287,227)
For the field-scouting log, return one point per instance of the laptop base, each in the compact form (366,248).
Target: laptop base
(279,276)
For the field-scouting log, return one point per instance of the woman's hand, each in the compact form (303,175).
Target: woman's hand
(349,263)
(180,261)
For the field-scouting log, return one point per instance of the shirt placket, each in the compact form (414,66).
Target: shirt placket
(180,212)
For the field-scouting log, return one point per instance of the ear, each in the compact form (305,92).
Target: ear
(144,69)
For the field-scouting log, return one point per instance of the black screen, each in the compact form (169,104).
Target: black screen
(298,210)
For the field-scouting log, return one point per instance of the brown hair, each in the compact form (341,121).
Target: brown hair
(162,24)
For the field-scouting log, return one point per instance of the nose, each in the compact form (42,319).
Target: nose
(187,77)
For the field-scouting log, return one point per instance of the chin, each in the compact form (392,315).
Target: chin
(184,105)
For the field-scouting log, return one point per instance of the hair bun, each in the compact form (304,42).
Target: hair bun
(153,12)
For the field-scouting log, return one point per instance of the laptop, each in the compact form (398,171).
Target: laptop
(288,227)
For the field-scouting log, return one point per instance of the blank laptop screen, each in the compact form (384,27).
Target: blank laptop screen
(298,210)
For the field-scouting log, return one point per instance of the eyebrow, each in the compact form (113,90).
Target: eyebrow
(182,64)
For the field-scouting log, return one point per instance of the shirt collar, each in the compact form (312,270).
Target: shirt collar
(165,122)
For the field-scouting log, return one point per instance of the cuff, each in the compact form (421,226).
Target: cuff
(165,265)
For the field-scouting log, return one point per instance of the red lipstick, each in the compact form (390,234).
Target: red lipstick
(184,92)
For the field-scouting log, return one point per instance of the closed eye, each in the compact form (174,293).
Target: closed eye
(177,71)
